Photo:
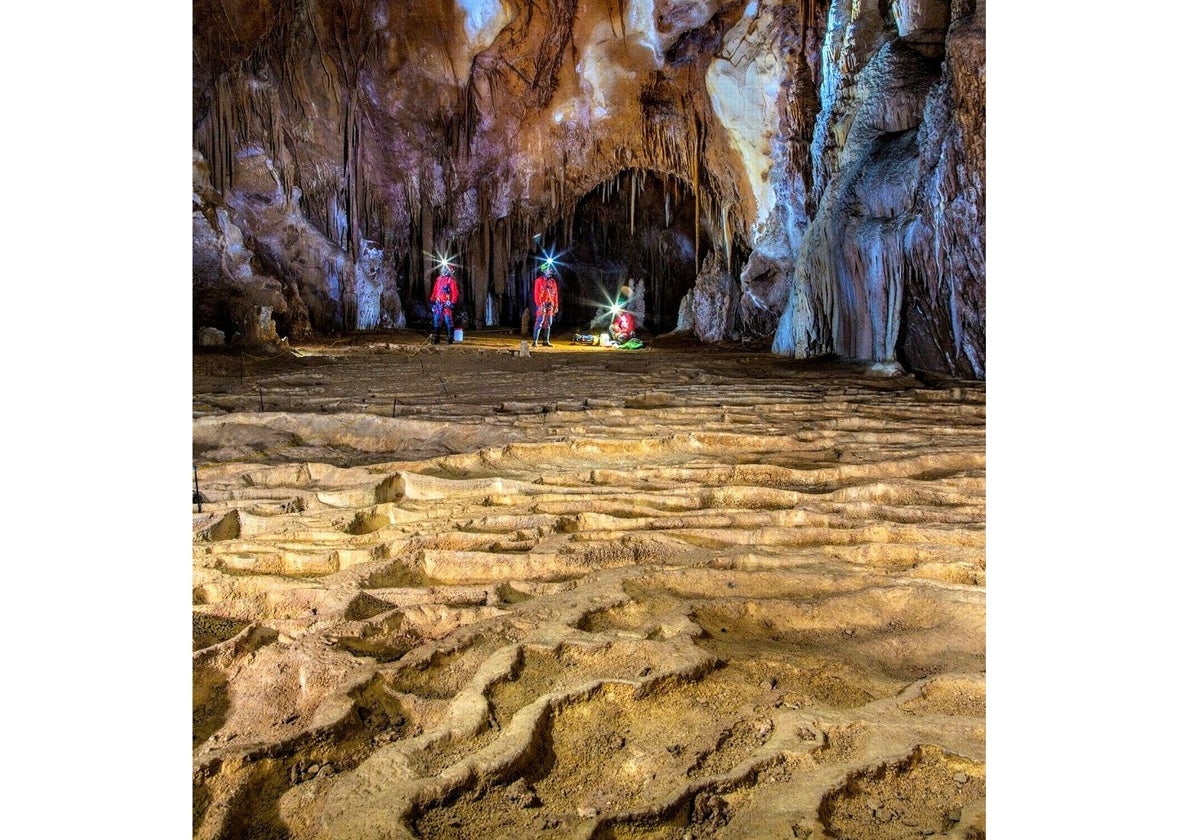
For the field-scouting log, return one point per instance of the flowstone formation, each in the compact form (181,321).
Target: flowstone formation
(809,172)
(451,592)
(891,265)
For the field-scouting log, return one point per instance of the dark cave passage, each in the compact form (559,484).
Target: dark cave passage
(636,226)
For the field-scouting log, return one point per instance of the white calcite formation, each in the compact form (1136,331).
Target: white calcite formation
(892,264)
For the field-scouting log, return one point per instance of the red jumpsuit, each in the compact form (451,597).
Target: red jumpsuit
(622,327)
(443,298)
(545,301)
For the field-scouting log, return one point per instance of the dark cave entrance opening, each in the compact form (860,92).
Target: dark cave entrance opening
(638,226)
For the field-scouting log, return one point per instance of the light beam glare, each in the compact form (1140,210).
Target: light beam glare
(441,261)
(606,310)
(553,260)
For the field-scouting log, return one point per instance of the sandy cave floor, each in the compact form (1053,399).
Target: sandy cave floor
(448,592)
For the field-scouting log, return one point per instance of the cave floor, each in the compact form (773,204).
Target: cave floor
(677,592)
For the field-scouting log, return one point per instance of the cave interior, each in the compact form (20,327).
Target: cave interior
(804,177)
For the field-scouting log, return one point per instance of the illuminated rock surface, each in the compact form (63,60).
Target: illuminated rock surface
(820,162)
(688,591)
(730,586)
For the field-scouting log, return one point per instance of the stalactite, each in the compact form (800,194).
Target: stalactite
(224,132)
(633,191)
(696,198)
(294,84)
(426,248)
(265,107)
(725,237)
(501,254)
(350,177)
(469,116)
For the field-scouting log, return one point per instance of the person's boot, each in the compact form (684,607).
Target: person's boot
(536,341)
(546,340)
(437,334)
(449,335)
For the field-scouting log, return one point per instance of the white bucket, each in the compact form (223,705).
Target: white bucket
(457,336)
(605,340)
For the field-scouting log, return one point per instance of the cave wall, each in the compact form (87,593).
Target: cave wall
(891,267)
(832,155)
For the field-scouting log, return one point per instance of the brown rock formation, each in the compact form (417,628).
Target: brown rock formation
(826,157)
